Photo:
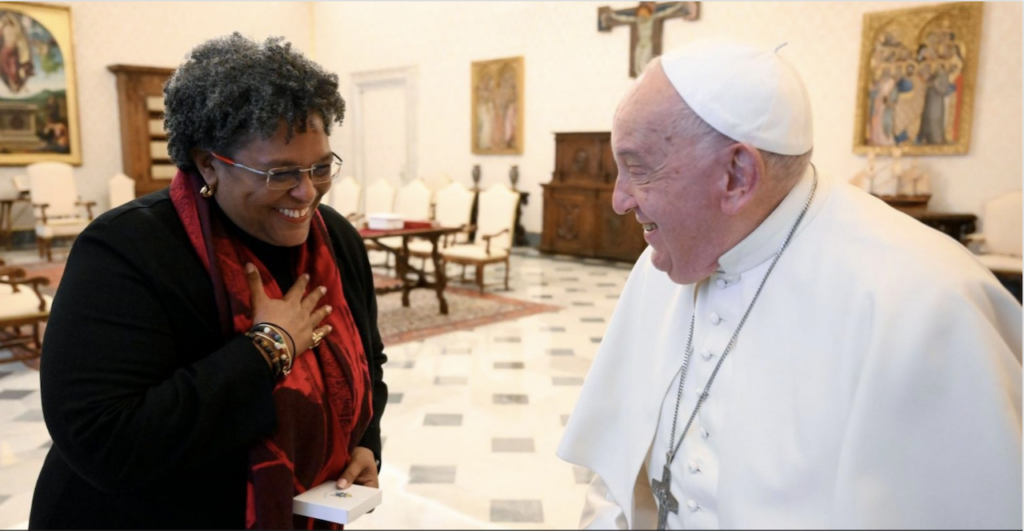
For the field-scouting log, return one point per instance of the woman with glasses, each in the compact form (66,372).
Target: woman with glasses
(213,350)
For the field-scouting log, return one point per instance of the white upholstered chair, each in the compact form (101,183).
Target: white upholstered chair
(413,204)
(380,197)
(413,201)
(453,207)
(122,190)
(345,197)
(21,305)
(495,226)
(56,203)
(998,245)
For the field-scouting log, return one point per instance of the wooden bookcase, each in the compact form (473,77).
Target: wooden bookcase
(140,95)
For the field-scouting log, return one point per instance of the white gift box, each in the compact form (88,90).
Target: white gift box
(385,221)
(327,502)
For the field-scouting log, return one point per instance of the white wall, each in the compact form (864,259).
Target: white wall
(576,75)
(151,34)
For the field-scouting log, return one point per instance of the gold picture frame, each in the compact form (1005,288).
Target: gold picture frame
(38,97)
(497,112)
(915,88)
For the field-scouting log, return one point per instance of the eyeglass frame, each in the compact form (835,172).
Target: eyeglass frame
(282,169)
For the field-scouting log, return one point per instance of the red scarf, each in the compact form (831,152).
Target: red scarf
(323,406)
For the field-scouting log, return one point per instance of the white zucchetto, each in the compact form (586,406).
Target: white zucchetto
(749,94)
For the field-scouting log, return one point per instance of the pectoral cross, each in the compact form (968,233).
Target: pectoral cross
(666,501)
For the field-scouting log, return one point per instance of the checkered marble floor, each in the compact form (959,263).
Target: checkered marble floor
(473,419)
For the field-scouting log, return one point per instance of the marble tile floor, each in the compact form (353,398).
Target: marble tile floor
(473,419)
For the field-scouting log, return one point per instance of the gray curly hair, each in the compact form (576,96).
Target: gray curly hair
(232,88)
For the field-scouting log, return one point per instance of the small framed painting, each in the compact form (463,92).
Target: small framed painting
(497,112)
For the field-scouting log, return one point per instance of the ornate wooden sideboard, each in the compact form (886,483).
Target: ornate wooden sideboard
(578,215)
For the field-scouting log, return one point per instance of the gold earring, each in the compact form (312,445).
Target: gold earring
(207,191)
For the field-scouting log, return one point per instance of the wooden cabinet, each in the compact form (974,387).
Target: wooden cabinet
(578,215)
(140,95)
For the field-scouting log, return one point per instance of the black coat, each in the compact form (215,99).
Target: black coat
(150,411)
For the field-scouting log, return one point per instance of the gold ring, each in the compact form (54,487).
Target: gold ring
(317,337)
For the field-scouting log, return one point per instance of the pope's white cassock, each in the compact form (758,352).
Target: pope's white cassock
(876,382)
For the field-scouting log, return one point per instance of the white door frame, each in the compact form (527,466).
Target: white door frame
(404,78)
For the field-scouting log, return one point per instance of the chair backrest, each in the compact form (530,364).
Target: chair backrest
(345,196)
(122,190)
(380,197)
(1002,224)
(53,183)
(21,183)
(453,205)
(497,211)
(413,201)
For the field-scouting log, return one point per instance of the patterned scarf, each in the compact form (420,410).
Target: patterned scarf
(324,405)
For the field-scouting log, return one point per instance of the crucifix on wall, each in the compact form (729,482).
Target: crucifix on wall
(645,22)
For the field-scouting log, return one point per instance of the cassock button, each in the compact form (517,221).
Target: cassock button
(706,354)
(704,434)
(693,466)
(715,319)
(721,283)
(692,506)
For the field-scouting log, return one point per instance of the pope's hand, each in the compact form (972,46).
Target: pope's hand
(361,470)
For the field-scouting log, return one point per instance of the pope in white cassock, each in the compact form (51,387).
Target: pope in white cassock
(789,352)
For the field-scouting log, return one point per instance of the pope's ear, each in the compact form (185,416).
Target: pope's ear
(744,174)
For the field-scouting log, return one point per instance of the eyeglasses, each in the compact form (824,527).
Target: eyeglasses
(290,177)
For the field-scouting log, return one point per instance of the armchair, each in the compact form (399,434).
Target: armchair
(345,198)
(122,190)
(998,247)
(22,304)
(453,207)
(495,228)
(412,203)
(56,203)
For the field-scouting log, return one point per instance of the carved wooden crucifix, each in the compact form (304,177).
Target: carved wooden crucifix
(645,23)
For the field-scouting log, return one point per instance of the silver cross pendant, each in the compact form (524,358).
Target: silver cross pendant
(663,493)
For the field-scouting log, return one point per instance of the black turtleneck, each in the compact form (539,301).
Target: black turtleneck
(280,261)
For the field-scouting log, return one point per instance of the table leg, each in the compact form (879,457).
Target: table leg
(440,276)
(402,267)
(6,229)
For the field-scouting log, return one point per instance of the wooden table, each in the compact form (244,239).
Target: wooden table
(403,267)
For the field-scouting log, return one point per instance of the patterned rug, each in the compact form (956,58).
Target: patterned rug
(467,308)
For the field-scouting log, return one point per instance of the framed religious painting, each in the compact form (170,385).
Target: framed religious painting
(915,89)
(497,107)
(38,102)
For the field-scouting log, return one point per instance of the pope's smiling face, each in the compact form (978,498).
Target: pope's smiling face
(666,179)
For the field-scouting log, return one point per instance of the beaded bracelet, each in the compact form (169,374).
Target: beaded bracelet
(271,334)
(266,347)
(280,331)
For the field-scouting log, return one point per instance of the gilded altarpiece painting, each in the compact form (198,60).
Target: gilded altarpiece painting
(38,104)
(918,69)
